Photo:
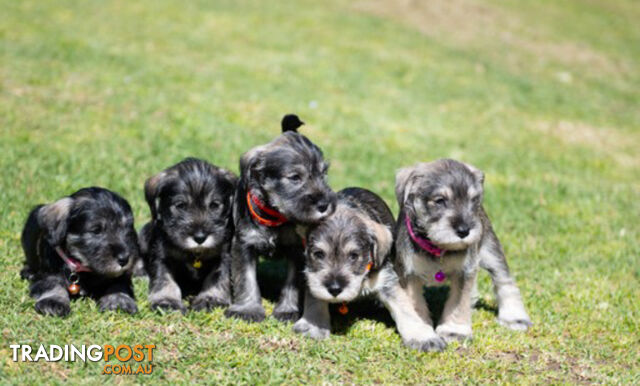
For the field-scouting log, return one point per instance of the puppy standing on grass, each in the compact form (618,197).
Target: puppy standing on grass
(282,185)
(81,245)
(349,255)
(444,233)
(186,244)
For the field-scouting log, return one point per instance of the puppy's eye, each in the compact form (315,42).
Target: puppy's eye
(475,200)
(180,205)
(440,201)
(353,256)
(318,255)
(295,178)
(96,229)
(214,205)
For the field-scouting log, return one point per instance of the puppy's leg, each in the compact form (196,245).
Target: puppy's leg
(119,295)
(456,316)
(164,292)
(316,321)
(216,289)
(287,308)
(415,291)
(51,296)
(247,303)
(511,311)
(414,326)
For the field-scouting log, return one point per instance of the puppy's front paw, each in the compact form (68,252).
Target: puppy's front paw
(286,315)
(310,330)
(53,307)
(432,344)
(516,324)
(254,313)
(207,303)
(118,301)
(167,305)
(450,332)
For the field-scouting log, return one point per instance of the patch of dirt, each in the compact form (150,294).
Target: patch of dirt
(604,140)
(274,343)
(472,23)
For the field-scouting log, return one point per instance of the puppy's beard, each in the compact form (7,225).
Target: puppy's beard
(191,245)
(319,291)
(443,236)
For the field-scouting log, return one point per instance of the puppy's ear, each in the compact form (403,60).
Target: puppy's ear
(251,166)
(403,184)
(152,188)
(53,219)
(291,122)
(476,172)
(381,240)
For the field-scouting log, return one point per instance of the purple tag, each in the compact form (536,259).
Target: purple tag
(440,276)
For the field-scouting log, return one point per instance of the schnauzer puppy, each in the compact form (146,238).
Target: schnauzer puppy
(81,245)
(444,233)
(348,255)
(282,185)
(186,245)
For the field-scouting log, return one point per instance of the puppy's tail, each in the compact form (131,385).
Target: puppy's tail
(291,122)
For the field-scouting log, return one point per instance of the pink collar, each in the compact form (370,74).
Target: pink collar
(422,242)
(73,264)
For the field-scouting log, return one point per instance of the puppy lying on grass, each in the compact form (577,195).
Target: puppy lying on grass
(186,244)
(348,255)
(445,234)
(81,245)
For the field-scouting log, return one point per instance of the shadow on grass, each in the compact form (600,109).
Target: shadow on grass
(272,273)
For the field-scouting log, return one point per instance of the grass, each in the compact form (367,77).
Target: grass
(543,96)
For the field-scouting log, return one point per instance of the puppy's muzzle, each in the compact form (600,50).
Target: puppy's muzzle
(199,237)
(335,285)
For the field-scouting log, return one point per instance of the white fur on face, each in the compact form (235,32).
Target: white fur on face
(444,236)
(191,245)
(351,291)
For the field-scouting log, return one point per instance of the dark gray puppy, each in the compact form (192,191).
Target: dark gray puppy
(186,245)
(349,255)
(81,245)
(282,185)
(444,233)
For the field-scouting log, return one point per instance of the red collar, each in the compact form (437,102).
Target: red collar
(422,242)
(73,264)
(278,218)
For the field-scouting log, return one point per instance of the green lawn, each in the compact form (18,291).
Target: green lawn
(543,96)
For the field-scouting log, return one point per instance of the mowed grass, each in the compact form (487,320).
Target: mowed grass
(543,96)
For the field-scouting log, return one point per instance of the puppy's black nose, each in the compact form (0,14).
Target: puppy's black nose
(334,288)
(122,260)
(462,230)
(322,207)
(199,238)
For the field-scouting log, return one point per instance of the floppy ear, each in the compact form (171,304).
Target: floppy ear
(381,240)
(152,188)
(476,172)
(403,183)
(53,219)
(251,166)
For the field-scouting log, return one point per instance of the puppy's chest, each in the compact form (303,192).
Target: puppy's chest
(424,265)
(269,240)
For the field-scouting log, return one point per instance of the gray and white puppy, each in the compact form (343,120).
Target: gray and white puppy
(282,184)
(81,245)
(186,245)
(441,204)
(349,255)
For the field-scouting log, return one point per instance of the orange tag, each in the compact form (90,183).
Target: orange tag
(73,288)
(343,309)
(369,266)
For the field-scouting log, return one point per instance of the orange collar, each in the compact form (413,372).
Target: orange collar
(278,218)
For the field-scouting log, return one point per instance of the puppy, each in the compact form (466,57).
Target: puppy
(282,184)
(186,245)
(444,234)
(349,255)
(81,245)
